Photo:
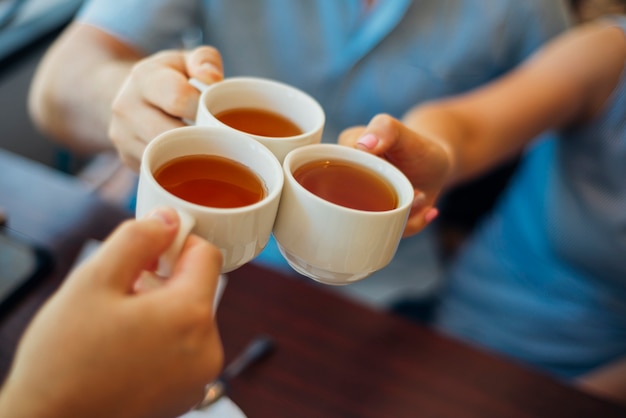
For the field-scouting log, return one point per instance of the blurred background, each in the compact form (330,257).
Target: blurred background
(27,27)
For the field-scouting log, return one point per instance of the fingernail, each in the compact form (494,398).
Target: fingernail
(210,70)
(368,141)
(419,199)
(207,67)
(431,215)
(166,215)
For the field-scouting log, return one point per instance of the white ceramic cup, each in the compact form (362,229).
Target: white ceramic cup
(264,94)
(240,233)
(334,244)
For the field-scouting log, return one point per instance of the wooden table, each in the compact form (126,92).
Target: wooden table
(333,357)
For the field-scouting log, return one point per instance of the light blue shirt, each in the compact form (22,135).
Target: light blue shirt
(357,64)
(354,62)
(544,279)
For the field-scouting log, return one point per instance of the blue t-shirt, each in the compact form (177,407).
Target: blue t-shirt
(544,278)
(356,63)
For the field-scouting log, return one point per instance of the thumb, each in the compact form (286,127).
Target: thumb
(133,247)
(205,64)
(425,162)
(386,136)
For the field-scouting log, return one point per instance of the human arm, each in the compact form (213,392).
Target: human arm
(608,381)
(92,92)
(97,348)
(443,143)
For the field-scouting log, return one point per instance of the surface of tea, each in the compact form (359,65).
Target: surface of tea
(347,184)
(210,180)
(259,122)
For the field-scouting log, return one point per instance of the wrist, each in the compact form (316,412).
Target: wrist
(22,402)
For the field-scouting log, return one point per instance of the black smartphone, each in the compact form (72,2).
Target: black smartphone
(22,262)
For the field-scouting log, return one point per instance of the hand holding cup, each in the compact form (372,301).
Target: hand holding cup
(223,165)
(277,115)
(342,212)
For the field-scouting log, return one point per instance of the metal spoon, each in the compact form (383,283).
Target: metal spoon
(257,349)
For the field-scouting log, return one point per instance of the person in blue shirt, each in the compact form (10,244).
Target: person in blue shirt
(543,279)
(118,75)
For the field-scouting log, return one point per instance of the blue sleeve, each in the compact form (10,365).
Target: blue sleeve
(530,24)
(147,25)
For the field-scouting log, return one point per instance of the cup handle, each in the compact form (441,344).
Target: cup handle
(201,87)
(169,257)
(219,291)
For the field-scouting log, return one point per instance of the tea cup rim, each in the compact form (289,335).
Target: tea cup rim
(402,187)
(272,193)
(267,81)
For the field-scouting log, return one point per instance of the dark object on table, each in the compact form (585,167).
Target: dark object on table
(22,262)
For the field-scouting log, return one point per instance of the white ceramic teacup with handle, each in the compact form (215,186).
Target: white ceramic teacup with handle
(334,244)
(266,95)
(239,232)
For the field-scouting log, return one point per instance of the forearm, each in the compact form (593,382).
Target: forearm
(72,91)
(460,135)
(566,83)
(608,381)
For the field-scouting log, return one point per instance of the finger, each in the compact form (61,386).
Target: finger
(420,220)
(144,122)
(213,359)
(197,269)
(205,64)
(382,135)
(129,147)
(148,281)
(350,136)
(388,137)
(132,247)
(426,162)
(152,121)
(131,155)
(161,80)
(130,137)
(168,90)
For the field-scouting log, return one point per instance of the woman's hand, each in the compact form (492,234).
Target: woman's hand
(425,161)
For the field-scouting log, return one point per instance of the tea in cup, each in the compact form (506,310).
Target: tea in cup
(225,186)
(342,212)
(278,115)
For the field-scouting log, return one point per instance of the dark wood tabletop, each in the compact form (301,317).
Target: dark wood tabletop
(332,358)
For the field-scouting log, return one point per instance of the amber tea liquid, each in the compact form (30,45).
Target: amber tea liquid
(347,184)
(259,122)
(210,180)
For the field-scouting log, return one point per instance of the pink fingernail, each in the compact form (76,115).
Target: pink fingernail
(166,215)
(431,215)
(368,141)
(208,68)
(419,199)
(211,71)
